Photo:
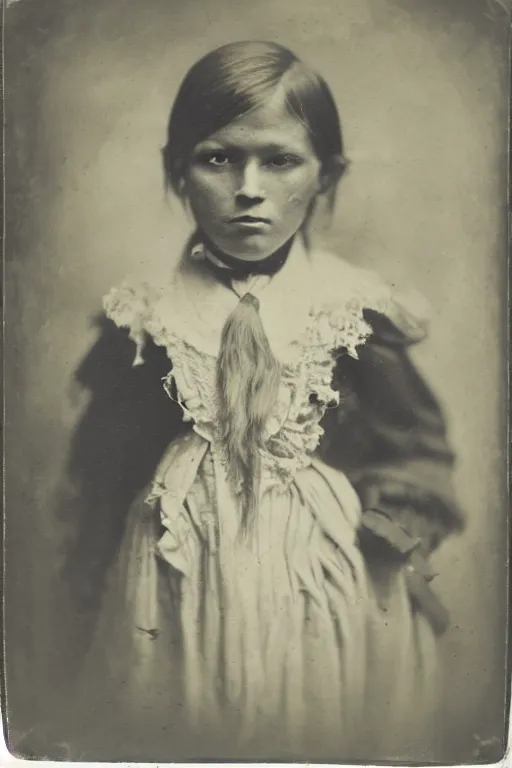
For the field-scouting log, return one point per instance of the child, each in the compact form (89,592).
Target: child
(271,599)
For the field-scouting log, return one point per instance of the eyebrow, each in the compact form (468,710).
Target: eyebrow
(269,148)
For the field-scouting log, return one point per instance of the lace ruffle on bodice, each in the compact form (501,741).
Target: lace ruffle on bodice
(334,326)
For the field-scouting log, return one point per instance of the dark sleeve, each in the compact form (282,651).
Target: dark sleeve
(389,436)
(126,426)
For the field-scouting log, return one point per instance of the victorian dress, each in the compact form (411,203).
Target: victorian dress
(314,636)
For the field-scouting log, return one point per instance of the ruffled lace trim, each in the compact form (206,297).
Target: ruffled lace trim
(130,306)
(335,326)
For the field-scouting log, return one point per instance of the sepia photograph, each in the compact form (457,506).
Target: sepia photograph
(256,381)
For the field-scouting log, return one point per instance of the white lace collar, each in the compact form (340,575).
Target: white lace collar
(315,295)
(196,304)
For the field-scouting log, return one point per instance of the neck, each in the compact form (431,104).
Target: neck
(240,268)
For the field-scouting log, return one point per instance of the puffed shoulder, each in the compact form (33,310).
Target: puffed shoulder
(128,303)
(406,319)
(129,306)
(395,315)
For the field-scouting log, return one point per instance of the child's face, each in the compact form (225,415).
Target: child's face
(261,167)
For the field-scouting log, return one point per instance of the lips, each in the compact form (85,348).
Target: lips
(246,219)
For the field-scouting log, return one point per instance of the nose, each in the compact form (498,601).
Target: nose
(250,187)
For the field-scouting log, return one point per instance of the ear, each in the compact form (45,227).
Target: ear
(171,171)
(332,172)
(182,189)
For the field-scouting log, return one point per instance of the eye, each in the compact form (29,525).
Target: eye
(217,159)
(283,161)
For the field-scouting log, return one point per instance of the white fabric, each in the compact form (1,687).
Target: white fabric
(311,308)
(275,647)
(279,630)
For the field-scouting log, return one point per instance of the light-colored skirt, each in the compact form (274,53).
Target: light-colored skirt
(267,646)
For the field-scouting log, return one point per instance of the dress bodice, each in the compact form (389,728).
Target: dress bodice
(312,311)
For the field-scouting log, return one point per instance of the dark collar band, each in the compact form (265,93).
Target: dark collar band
(240,269)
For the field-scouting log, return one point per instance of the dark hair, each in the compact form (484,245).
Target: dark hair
(236,78)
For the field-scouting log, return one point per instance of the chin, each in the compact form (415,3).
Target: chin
(251,248)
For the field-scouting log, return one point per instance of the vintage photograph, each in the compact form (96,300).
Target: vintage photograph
(256,501)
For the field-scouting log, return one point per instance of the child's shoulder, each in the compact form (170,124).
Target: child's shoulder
(338,279)
(128,303)
(341,283)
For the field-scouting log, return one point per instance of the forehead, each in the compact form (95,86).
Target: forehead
(270,125)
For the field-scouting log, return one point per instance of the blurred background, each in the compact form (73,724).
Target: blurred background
(422,90)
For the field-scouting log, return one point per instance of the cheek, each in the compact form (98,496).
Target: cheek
(207,191)
(299,190)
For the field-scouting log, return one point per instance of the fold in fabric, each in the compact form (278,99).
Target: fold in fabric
(263,647)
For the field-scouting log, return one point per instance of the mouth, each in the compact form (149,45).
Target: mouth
(246,219)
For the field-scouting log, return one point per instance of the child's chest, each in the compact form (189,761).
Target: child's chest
(312,312)
(306,333)
(306,391)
